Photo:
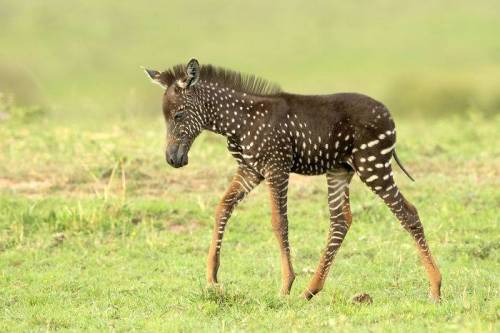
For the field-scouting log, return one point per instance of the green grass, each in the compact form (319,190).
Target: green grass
(97,233)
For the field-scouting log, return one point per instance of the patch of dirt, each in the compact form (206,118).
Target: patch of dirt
(203,179)
(184,182)
(482,171)
(177,228)
(25,186)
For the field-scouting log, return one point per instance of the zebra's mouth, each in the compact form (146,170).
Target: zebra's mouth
(177,154)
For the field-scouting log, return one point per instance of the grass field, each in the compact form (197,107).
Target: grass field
(97,233)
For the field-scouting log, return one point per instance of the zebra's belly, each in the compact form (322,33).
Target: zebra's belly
(315,168)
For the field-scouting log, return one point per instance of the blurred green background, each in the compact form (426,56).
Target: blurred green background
(81,58)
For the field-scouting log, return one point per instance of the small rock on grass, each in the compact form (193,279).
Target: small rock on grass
(58,238)
(362,298)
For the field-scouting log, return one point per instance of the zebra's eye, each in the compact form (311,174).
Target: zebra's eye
(178,115)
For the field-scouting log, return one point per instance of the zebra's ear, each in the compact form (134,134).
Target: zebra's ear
(192,74)
(155,77)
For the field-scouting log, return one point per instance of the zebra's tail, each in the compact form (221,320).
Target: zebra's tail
(401,165)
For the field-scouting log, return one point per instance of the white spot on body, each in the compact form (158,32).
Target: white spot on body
(387,150)
(371,178)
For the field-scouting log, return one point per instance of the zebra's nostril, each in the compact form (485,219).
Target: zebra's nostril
(171,153)
(169,158)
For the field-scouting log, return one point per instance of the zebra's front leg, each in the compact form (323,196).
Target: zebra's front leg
(340,221)
(278,189)
(243,182)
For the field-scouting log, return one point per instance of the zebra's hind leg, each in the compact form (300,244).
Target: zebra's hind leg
(382,183)
(340,221)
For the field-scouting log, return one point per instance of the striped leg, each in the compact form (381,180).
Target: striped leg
(243,182)
(340,221)
(278,189)
(347,208)
(384,186)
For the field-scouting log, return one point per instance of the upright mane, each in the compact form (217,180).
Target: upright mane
(247,83)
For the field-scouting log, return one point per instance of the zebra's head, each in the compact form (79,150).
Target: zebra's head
(183,109)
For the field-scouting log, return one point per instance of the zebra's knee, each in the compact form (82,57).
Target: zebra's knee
(410,208)
(347,214)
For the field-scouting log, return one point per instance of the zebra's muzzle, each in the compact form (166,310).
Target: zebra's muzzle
(177,154)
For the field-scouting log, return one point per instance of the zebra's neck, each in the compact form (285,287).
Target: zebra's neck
(235,114)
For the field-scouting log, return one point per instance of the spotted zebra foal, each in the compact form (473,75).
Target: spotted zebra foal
(271,134)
